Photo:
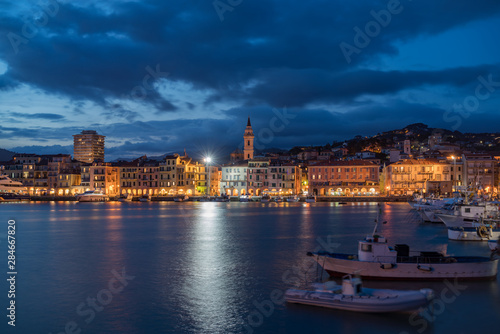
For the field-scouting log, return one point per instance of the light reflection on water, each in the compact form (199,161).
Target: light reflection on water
(201,267)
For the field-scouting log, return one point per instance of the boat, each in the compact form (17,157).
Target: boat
(494,245)
(125,198)
(181,198)
(310,199)
(223,198)
(293,198)
(92,196)
(243,198)
(145,198)
(466,215)
(376,260)
(478,232)
(7,186)
(265,199)
(351,296)
(278,199)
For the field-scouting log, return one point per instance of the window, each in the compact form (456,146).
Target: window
(366,247)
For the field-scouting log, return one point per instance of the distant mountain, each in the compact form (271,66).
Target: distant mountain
(6,155)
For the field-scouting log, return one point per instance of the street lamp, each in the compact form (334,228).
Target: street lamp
(208,160)
(454,172)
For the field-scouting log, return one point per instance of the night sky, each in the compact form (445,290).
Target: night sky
(159,76)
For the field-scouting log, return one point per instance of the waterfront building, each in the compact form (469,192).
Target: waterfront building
(147,177)
(337,178)
(257,176)
(167,173)
(408,176)
(234,179)
(479,172)
(104,177)
(38,173)
(88,146)
(284,178)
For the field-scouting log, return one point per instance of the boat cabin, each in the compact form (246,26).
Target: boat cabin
(375,249)
(351,286)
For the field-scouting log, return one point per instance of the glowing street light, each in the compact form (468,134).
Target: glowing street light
(208,160)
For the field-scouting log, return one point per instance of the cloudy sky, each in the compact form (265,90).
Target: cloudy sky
(159,76)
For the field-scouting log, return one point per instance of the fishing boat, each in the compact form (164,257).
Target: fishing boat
(92,196)
(223,198)
(310,199)
(477,232)
(466,215)
(243,198)
(494,245)
(125,198)
(278,199)
(265,199)
(181,198)
(293,198)
(145,198)
(351,296)
(376,260)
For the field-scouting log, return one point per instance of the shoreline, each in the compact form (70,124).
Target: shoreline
(338,199)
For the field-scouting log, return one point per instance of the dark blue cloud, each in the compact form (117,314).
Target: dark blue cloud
(110,61)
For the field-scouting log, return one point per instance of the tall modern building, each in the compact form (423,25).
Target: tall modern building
(88,146)
(248,137)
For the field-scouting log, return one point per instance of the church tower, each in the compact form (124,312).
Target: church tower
(248,137)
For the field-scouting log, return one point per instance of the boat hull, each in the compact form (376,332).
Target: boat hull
(472,234)
(386,301)
(92,199)
(456,221)
(338,267)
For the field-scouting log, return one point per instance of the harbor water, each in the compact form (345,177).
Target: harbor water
(209,267)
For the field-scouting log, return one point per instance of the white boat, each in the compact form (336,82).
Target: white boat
(265,199)
(310,199)
(278,199)
(293,198)
(223,198)
(243,198)
(494,245)
(92,196)
(7,186)
(376,260)
(181,198)
(125,198)
(479,232)
(467,215)
(145,198)
(351,296)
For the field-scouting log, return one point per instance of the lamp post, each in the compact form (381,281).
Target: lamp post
(208,160)
(453,188)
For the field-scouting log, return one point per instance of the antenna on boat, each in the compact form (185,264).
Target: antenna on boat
(377,220)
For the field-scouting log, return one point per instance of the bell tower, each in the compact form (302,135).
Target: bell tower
(248,138)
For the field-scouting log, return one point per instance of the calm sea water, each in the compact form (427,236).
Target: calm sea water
(213,268)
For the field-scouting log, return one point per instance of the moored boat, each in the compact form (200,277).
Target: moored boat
(7,186)
(145,198)
(479,232)
(293,198)
(181,198)
(92,196)
(125,198)
(265,199)
(243,198)
(310,199)
(376,260)
(351,296)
